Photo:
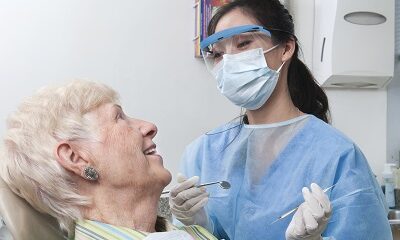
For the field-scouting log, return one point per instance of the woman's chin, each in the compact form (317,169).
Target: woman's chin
(163,177)
(166,178)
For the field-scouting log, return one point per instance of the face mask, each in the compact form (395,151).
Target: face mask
(245,79)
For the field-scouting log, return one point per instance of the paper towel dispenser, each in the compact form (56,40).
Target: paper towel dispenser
(353,43)
(365,18)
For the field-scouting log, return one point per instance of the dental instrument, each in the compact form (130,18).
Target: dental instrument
(295,209)
(222,184)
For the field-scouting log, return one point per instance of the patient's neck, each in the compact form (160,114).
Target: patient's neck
(124,208)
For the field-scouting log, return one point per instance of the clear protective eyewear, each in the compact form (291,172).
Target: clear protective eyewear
(232,41)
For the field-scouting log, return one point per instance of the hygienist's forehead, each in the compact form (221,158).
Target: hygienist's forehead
(236,17)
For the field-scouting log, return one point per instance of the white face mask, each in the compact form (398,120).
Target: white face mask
(245,78)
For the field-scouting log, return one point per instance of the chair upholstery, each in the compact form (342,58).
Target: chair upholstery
(23,221)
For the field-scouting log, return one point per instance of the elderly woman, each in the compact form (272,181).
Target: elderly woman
(72,152)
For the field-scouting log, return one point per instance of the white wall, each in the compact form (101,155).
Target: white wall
(143,49)
(360,114)
(393,126)
(393,121)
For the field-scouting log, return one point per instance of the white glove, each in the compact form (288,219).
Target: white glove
(187,202)
(311,219)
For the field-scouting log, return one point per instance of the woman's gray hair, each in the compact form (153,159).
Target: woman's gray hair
(28,163)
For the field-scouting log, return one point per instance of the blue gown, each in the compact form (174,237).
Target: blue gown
(312,152)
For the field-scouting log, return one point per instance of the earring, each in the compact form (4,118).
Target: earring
(90,173)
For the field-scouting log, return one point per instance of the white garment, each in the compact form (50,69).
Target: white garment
(170,235)
(4,233)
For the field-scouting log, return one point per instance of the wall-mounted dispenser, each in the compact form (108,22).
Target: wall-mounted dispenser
(353,43)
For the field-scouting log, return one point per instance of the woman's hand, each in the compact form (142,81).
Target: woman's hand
(311,219)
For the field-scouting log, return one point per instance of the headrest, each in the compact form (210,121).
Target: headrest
(24,222)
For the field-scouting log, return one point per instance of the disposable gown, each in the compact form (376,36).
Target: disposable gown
(267,166)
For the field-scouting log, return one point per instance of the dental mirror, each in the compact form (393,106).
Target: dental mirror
(222,184)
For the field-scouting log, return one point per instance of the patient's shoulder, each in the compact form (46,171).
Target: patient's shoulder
(197,232)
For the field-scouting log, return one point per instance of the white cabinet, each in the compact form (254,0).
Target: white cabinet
(352,40)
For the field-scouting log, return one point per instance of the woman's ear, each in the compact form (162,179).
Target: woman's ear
(290,47)
(69,158)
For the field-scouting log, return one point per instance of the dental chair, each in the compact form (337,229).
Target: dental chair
(24,222)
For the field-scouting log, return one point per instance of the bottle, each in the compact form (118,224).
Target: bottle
(396,175)
(388,181)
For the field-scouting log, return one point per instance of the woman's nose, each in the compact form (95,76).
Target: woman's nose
(148,129)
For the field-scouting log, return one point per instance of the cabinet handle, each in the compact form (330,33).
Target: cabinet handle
(323,49)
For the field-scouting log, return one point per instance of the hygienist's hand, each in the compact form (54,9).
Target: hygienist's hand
(311,219)
(187,202)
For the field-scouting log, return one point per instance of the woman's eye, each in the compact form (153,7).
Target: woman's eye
(243,44)
(217,55)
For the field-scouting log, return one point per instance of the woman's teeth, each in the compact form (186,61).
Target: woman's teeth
(150,151)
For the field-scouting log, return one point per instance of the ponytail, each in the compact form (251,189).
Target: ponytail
(305,92)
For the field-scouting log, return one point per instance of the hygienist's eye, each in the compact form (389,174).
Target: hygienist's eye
(217,55)
(243,44)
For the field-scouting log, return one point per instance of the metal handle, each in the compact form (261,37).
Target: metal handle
(200,185)
(323,49)
(295,209)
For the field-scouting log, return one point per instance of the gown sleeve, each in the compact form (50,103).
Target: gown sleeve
(191,163)
(359,209)
(191,160)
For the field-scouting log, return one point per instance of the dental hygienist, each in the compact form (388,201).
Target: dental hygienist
(281,144)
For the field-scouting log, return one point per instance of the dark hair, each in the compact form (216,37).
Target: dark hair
(304,91)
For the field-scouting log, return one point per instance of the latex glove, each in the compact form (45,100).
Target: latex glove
(311,219)
(187,202)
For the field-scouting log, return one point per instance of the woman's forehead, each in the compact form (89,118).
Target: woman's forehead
(235,18)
